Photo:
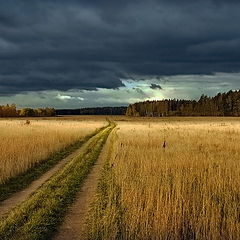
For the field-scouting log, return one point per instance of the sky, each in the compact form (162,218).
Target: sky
(72,54)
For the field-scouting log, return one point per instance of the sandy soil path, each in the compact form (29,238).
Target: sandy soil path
(74,225)
(17,198)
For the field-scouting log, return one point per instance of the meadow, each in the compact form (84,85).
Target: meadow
(23,145)
(159,178)
(187,188)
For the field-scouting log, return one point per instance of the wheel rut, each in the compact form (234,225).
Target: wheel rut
(68,191)
(17,198)
(74,225)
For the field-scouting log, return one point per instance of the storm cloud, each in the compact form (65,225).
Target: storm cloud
(155,86)
(90,45)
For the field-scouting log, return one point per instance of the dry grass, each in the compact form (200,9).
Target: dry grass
(23,145)
(188,190)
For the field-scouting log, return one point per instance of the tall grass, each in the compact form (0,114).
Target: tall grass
(22,146)
(38,217)
(188,190)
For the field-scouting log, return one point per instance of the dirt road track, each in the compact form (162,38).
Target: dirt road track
(74,225)
(17,198)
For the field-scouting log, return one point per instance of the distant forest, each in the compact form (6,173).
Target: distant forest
(93,111)
(223,104)
(12,111)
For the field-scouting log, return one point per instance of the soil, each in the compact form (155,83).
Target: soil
(74,225)
(17,198)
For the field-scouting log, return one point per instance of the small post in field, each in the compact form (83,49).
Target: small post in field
(27,122)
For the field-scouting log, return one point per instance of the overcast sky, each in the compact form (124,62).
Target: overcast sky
(69,53)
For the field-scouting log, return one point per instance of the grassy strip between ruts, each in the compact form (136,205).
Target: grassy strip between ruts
(106,201)
(21,181)
(38,217)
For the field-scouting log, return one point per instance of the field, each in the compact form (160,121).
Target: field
(159,178)
(188,190)
(23,145)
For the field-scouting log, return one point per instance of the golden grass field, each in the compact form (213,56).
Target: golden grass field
(188,190)
(23,145)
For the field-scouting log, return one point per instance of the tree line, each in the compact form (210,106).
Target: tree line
(223,104)
(93,111)
(12,111)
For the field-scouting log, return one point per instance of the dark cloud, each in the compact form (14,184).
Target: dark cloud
(155,86)
(62,45)
(140,91)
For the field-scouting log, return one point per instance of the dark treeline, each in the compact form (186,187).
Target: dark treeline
(93,111)
(12,111)
(223,104)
